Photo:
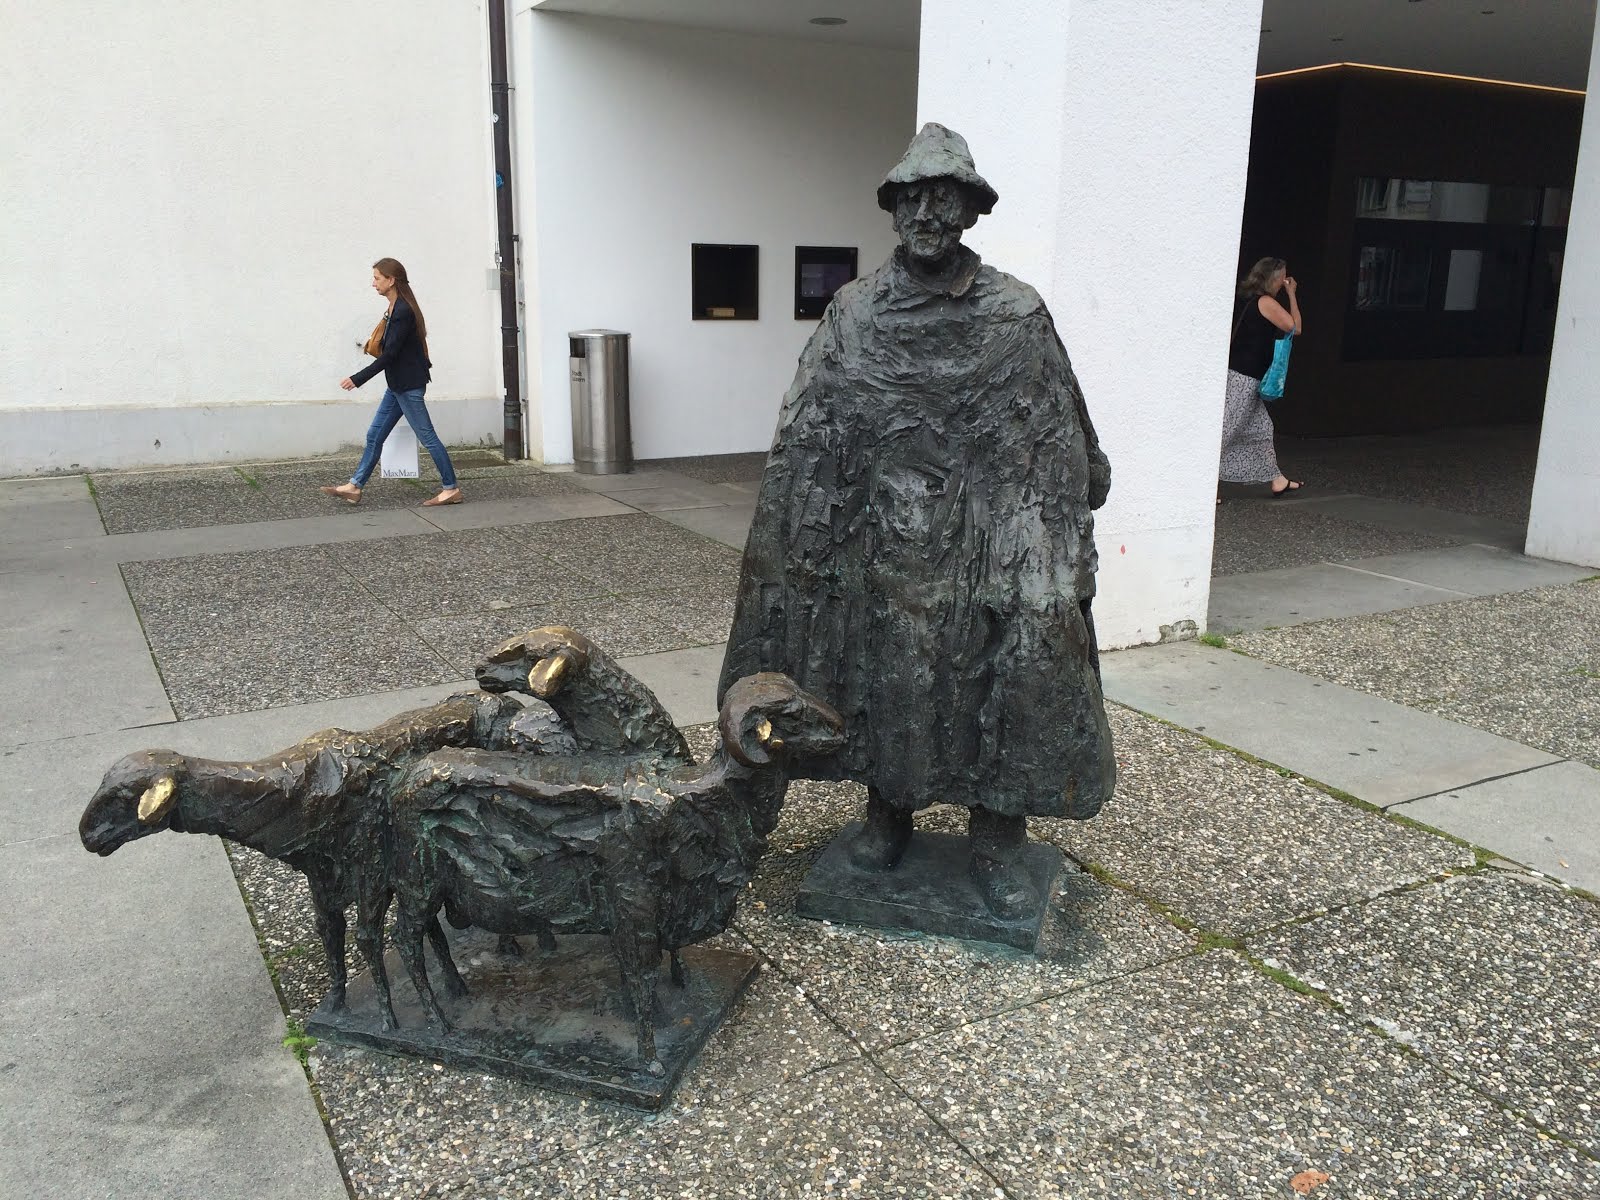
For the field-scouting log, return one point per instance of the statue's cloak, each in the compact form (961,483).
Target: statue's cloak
(922,554)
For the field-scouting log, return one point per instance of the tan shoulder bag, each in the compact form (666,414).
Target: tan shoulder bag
(374,344)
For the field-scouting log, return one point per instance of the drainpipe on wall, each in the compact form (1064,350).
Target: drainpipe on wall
(506,252)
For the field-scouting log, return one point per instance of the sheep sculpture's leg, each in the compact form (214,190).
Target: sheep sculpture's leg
(638,955)
(508,946)
(371,905)
(454,985)
(678,977)
(329,916)
(408,933)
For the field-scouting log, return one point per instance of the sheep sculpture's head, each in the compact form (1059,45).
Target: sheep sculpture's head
(138,796)
(768,718)
(540,662)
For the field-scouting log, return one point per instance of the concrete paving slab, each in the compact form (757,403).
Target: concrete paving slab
(140,1042)
(45,697)
(356,526)
(75,657)
(1492,976)
(485,514)
(1272,535)
(716,468)
(1235,846)
(634,553)
(671,497)
(464,570)
(727,523)
(1546,818)
(1374,749)
(20,495)
(1524,665)
(210,579)
(685,681)
(624,625)
(885,986)
(1474,570)
(406,1128)
(133,503)
(1204,1078)
(44,511)
(1265,599)
(374,652)
(643,477)
(814,1136)
(1416,518)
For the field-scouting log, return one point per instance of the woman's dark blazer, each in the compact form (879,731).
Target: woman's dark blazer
(404,361)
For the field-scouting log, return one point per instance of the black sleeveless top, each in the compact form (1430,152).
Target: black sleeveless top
(1251,351)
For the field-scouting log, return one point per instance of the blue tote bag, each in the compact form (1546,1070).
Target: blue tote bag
(1272,381)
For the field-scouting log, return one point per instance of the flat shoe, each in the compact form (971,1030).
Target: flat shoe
(442,498)
(342,492)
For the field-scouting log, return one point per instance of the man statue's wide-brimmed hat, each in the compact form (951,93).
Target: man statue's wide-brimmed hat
(937,153)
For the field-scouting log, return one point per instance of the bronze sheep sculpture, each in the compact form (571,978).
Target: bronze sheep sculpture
(582,814)
(602,708)
(321,806)
(652,852)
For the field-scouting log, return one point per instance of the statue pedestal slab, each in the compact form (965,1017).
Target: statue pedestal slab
(929,891)
(556,1019)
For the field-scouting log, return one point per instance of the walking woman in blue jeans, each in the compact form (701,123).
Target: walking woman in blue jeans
(402,356)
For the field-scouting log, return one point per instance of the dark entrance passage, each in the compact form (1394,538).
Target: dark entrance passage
(1425,220)
(1372,496)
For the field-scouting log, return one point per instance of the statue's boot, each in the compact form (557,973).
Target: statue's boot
(997,866)
(883,835)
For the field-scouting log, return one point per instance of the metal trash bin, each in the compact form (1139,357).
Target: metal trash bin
(602,439)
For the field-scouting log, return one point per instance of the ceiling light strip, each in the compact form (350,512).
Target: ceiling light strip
(1536,87)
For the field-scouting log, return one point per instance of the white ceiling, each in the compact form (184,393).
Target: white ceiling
(1528,41)
(890,24)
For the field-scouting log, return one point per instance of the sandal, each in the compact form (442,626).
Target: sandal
(348,492)
(1293,485)
(447,496)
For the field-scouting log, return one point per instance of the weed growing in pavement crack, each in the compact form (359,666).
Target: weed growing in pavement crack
(1111,879)
(298,1042)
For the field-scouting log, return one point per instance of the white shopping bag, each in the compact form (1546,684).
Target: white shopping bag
(400,453)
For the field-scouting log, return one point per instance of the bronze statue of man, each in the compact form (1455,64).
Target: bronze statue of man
(922,554)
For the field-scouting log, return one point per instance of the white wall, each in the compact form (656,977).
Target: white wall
(1117,133)
(645,139)
(1564,522)
(193,195)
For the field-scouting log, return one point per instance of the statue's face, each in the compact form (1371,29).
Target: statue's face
(930,218)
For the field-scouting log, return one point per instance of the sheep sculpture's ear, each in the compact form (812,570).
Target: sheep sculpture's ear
(746,730)
(561,653)
(157,801)
(551,673)
(748,749)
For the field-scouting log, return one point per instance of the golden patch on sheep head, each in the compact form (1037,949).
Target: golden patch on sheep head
(549,674)
(157,800)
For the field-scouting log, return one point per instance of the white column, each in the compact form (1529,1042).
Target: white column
(1564,523)
(1117,133)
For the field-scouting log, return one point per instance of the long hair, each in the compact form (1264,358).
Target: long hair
(1253,284)
(393,268)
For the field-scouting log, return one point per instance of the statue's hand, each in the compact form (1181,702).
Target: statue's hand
(1099,481)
